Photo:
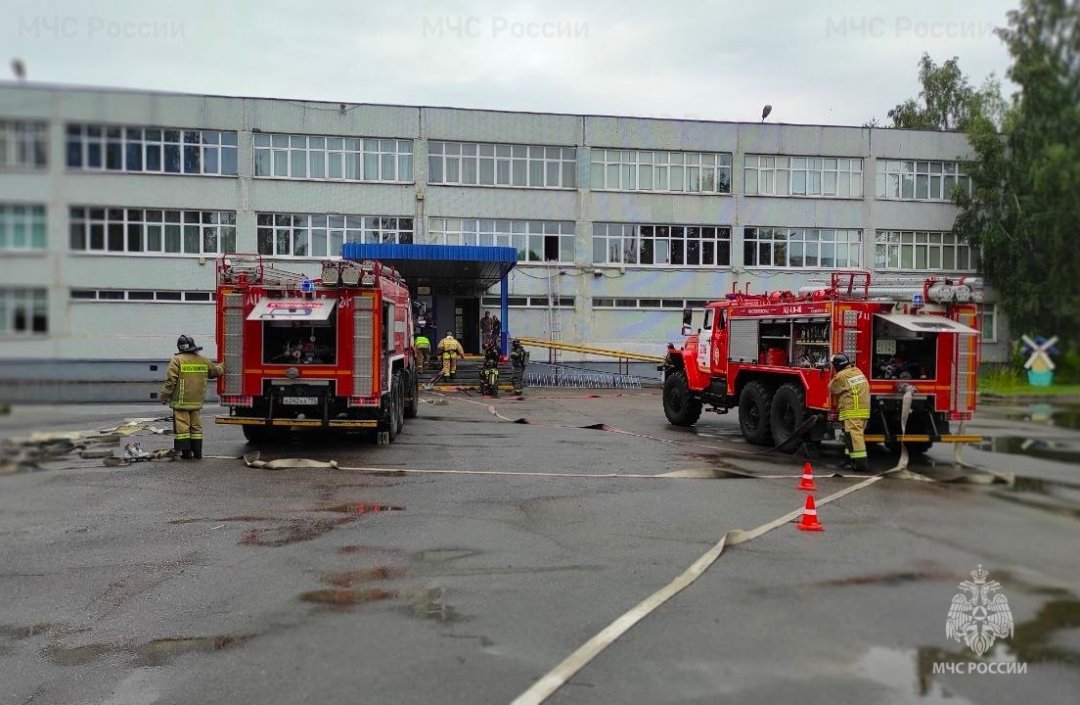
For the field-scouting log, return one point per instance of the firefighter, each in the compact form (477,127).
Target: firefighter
(423,351)
(489,373)
(184,389)
(451,350)
(849,395)
(519,358)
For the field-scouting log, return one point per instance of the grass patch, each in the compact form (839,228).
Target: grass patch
(1011,383)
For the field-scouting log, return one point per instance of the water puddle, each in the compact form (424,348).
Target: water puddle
(158,652)
(1045,449)
(431,604)
(292,532)
(343,597)
(350,578)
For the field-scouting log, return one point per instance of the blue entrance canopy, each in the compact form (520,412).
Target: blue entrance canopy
(450,269)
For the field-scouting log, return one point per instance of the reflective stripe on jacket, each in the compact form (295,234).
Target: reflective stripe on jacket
(850,393)
(185,383)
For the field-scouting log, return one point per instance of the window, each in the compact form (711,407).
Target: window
(504,165)
(528,302)
(22,227)
(674,305)
(534,240)
(680,172)
(923,251)
(988,323)
(322,235)
(802,247)
(151,150)
(909,180)
(671,245)
(122,295)
(23,144)
(152,231)
(23,312)
(821,177)
(333,158)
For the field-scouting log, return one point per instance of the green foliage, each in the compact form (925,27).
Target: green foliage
(1024,212)
(947,100)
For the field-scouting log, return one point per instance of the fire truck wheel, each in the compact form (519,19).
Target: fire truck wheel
(412,407)
(788,412)
(755,401)
(680,406)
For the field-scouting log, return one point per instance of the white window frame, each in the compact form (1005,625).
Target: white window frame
(924,180)
(891,246)
(295,235)
(620,244)
(501,165)
(802,176)
(149,225)
(135,148)
(332,158)
(23,221)
(766,243)
(32,302)
(530,238)
(660,171)
(647,304)
(988,311)
(24,144)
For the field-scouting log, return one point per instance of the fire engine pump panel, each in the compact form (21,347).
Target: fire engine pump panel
(801,342)
(900,353)
(297,332)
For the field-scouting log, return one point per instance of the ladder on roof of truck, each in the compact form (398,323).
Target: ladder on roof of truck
(256,271)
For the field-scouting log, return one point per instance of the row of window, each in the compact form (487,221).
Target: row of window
(142,295)
(214,152)
(190,232)
(151,150)
(151,230)
(333,158)
(528,302)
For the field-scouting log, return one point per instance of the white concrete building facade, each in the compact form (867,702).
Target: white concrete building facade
(115,203)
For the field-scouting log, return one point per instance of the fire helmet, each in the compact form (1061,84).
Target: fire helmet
(840,361)
(516,343)
(186,344)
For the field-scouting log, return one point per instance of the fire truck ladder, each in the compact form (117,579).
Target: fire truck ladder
(256,271)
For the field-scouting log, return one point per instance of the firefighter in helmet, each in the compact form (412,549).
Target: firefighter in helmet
(450,350)
(849,395)
(519,358)
(184,389)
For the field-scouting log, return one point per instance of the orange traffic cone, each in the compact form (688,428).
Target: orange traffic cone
(809,521)
(806,484)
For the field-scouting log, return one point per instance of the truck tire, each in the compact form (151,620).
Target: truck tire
(258,435)
(755,401)
(681,407)
(412,407)
(788,411)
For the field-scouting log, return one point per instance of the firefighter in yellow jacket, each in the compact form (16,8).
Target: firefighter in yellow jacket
(849,395)
(450,350)
(184,390)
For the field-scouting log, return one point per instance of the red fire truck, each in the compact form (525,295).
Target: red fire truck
(333,353)
(768,356)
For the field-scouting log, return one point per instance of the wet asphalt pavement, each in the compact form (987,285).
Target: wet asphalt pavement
(210,582)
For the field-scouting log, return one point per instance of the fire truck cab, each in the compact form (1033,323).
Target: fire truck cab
(334,352)
(768,356)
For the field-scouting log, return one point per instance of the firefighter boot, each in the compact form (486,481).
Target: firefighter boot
(196,448)
(182,448)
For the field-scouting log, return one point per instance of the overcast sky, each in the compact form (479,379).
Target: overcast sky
(837,62)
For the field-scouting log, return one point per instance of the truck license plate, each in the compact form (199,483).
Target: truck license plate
(300,401)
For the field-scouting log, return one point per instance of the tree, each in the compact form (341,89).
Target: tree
(1024,211)
(948,102)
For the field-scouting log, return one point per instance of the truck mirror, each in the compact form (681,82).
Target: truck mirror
(687,319)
